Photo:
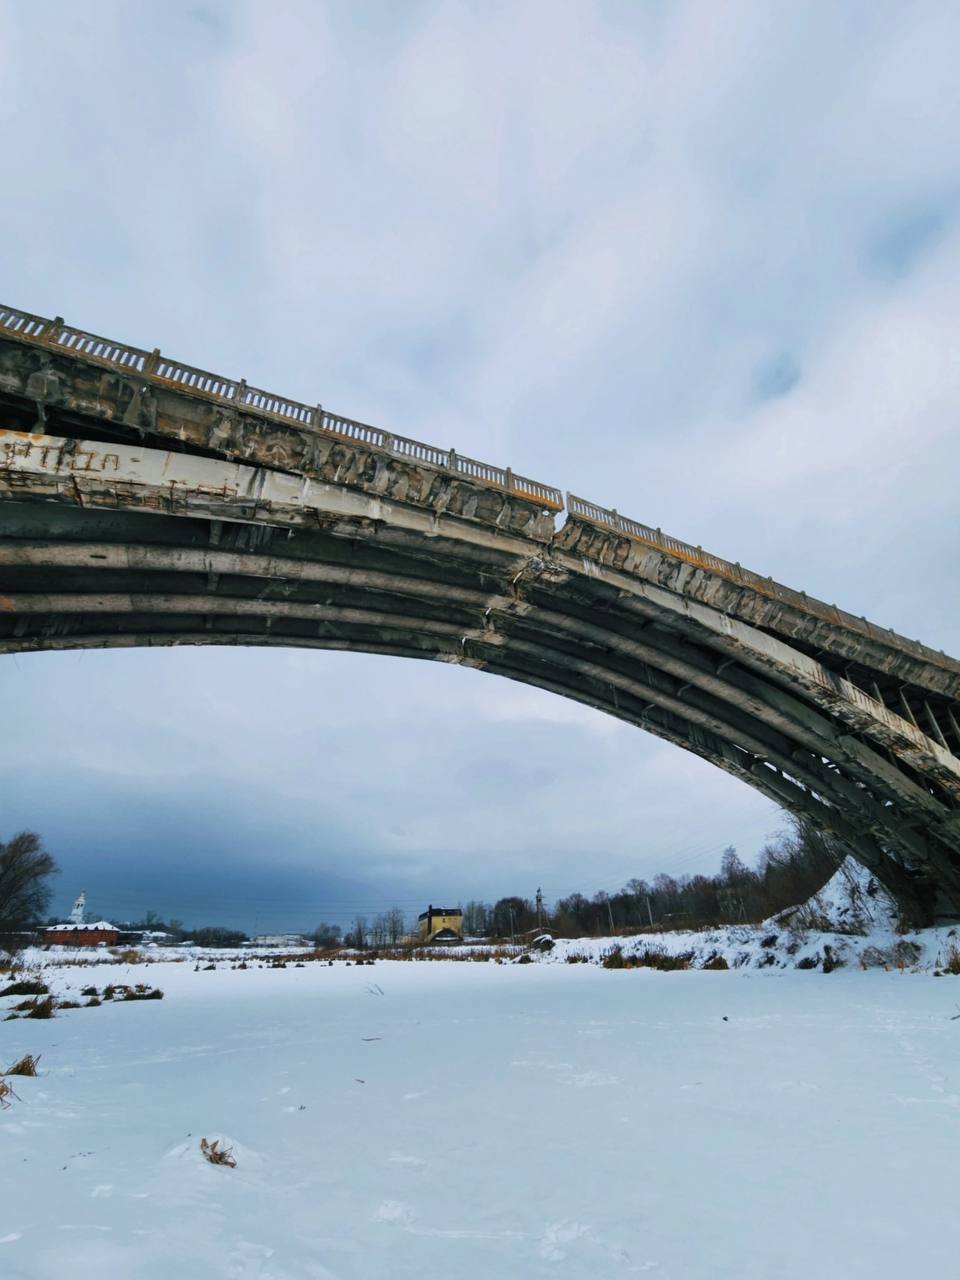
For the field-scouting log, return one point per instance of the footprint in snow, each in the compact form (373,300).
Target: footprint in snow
(560,1239)
(593,1079)
(557,1235)
(395,1212)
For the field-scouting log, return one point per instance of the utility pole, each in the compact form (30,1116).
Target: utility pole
(610,914)
(539,909)
(649,911)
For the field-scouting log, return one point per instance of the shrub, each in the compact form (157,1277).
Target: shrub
(217,1154)
(127,955)
(25,988)
(661,960)
(906,953)
(94,1002)
(952,962)
(142,992)
(68,1004)
(809,962)
(27,1066)
(716,961)
(89,991)
(40,1008)
(650,958)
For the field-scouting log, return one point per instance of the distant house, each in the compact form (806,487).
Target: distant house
(440,924)
(81,935)
(278,940)
(144,937)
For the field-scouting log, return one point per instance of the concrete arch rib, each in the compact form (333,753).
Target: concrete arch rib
(794,723)
(720,732)
(811,801)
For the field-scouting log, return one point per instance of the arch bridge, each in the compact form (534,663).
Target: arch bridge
(147,502)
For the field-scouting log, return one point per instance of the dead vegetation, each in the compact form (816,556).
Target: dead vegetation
(650,958)
(44,1005)
(26,987)
(27,1066)
(37,1007)
(217,1154)
(121,992)
(6,1093)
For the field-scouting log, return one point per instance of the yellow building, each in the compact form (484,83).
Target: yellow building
(440,924)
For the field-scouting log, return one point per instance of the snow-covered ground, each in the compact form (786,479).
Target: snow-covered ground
(486,1120)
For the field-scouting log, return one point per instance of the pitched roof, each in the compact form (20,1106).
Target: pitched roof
(98,927)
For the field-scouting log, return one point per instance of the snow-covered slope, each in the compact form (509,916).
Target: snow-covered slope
(851,921)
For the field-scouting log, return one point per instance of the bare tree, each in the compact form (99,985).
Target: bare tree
(476,919)
(327,935)
(357,937)
(25,869)
(395,929)
(379,930)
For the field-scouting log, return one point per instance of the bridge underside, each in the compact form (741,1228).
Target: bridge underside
(113,535)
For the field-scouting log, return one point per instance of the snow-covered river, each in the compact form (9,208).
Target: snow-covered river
(485,1120)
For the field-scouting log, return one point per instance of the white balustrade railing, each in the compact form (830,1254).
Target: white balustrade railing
(610,519)
(90,346)
(21,324)
(334,425)
(277,407)
(185,377)
(419,452)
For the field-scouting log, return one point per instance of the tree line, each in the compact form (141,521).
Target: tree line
(789,870)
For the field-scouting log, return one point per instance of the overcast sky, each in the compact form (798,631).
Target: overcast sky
(695,261)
